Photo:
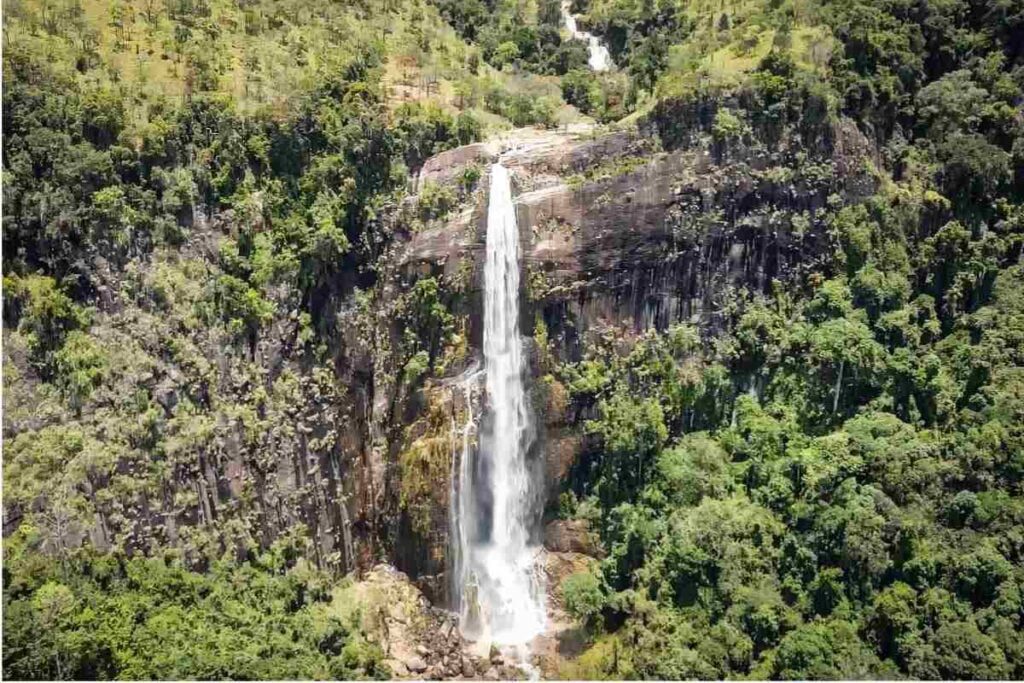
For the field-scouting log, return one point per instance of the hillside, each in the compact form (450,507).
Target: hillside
(772,312)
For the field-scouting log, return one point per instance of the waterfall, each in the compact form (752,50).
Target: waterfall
(500,592)
(600,59)
(460,510)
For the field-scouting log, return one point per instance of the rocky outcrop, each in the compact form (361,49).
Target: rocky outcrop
(418,640)
(572,536)
(668,239)
(563,638)
(432,446)
(444,167)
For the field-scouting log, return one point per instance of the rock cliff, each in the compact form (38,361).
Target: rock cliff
(620,234)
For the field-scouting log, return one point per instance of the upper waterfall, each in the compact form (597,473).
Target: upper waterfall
(600,59)
(502,598)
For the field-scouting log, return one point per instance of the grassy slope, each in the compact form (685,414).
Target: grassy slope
(728,40)
(262,54)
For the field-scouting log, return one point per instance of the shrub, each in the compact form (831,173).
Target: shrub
(584,600)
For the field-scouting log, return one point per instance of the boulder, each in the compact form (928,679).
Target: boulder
(571,536)
(398,669)
(558,566)
(415,664)
(443,167)
(562,448)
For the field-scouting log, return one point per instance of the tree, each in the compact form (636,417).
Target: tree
(697,467)
(506,54)
(44,314)
(972,174)
(583,598)
(631,433)
(579,88)
(963,652)
(952,104)
(826,650)
(80,366)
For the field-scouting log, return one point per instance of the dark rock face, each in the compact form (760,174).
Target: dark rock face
(617,233)
(667,241)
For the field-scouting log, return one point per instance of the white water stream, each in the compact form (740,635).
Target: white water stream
(499,589)
(600,59)
(460,502)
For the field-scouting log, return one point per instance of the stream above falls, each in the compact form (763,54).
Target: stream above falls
(599,59)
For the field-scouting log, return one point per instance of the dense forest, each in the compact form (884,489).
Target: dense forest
(204,203)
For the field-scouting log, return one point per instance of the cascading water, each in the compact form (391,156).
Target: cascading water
(599,59)
(460,511)
(499,590)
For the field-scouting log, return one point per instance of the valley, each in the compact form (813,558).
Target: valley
(501,339)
